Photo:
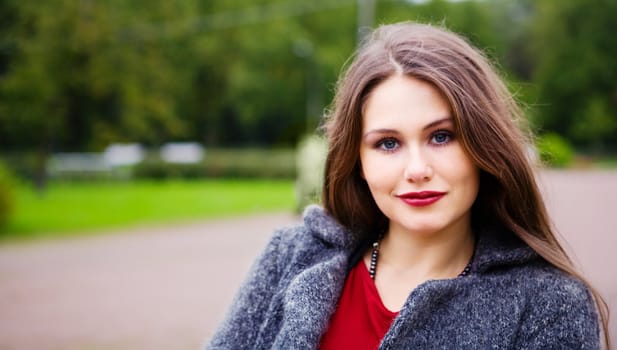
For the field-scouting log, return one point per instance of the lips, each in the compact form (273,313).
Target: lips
(421,199)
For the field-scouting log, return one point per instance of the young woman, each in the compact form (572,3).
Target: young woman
(433,233)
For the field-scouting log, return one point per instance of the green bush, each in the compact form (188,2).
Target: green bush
(218,163)
(310,164)
(23,164)
(224,163)
(7,183)
(159,170)
(554,150)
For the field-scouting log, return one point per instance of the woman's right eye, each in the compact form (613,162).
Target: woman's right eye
(388,144)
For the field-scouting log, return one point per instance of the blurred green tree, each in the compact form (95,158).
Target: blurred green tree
(575,48)
(84,74)
(78,75)
(74,82)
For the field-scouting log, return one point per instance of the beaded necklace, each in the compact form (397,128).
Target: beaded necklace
(375,255)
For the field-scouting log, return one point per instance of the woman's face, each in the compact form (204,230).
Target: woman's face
(415,167)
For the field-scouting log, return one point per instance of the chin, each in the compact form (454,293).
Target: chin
(424,230)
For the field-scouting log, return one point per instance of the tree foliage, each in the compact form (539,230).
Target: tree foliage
(576,71)
(78,75)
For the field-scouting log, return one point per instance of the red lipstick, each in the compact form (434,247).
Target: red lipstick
(421,199)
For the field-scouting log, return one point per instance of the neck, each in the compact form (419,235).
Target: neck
(435,255)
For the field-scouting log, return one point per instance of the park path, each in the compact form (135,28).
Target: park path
(149,288)
(167,287)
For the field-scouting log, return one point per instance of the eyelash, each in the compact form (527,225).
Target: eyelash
(381,142)
(446,133)
(450,136)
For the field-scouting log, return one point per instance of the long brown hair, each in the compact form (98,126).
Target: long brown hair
(489,124)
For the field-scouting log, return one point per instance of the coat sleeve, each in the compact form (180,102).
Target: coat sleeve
(242,323)
(562,316)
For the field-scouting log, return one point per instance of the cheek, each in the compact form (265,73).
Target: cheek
(379,172)
(468,175)
(459,170)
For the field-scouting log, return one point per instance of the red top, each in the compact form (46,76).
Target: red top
(361,320)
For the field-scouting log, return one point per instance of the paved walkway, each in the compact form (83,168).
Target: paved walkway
(152,288)
(168,287)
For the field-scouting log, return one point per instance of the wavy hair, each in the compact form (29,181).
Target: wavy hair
(489,123)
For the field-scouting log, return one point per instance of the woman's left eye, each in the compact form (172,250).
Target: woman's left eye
(441,137)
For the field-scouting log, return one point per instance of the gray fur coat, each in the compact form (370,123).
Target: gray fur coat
(511,299)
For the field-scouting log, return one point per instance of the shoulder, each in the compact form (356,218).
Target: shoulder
(317,234)
(551,286)
(511,264)
(317,227)
(525,280)
(559,308)
(535,287)
(547,286)
(548,305)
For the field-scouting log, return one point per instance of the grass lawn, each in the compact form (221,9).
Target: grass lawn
(81,208)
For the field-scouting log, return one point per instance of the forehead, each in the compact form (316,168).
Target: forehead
(404,100)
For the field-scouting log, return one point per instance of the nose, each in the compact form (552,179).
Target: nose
(418,167)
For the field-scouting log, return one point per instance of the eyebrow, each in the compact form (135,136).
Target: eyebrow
(426,127)
(437,122)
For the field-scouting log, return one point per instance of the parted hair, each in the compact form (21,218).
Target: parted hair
(488,123)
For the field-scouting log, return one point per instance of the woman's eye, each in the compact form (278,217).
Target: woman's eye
(441,137)
(388,144)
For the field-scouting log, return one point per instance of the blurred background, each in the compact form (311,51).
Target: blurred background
(145,119)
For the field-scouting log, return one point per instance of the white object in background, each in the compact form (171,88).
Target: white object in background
(119,154)
(182,152)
